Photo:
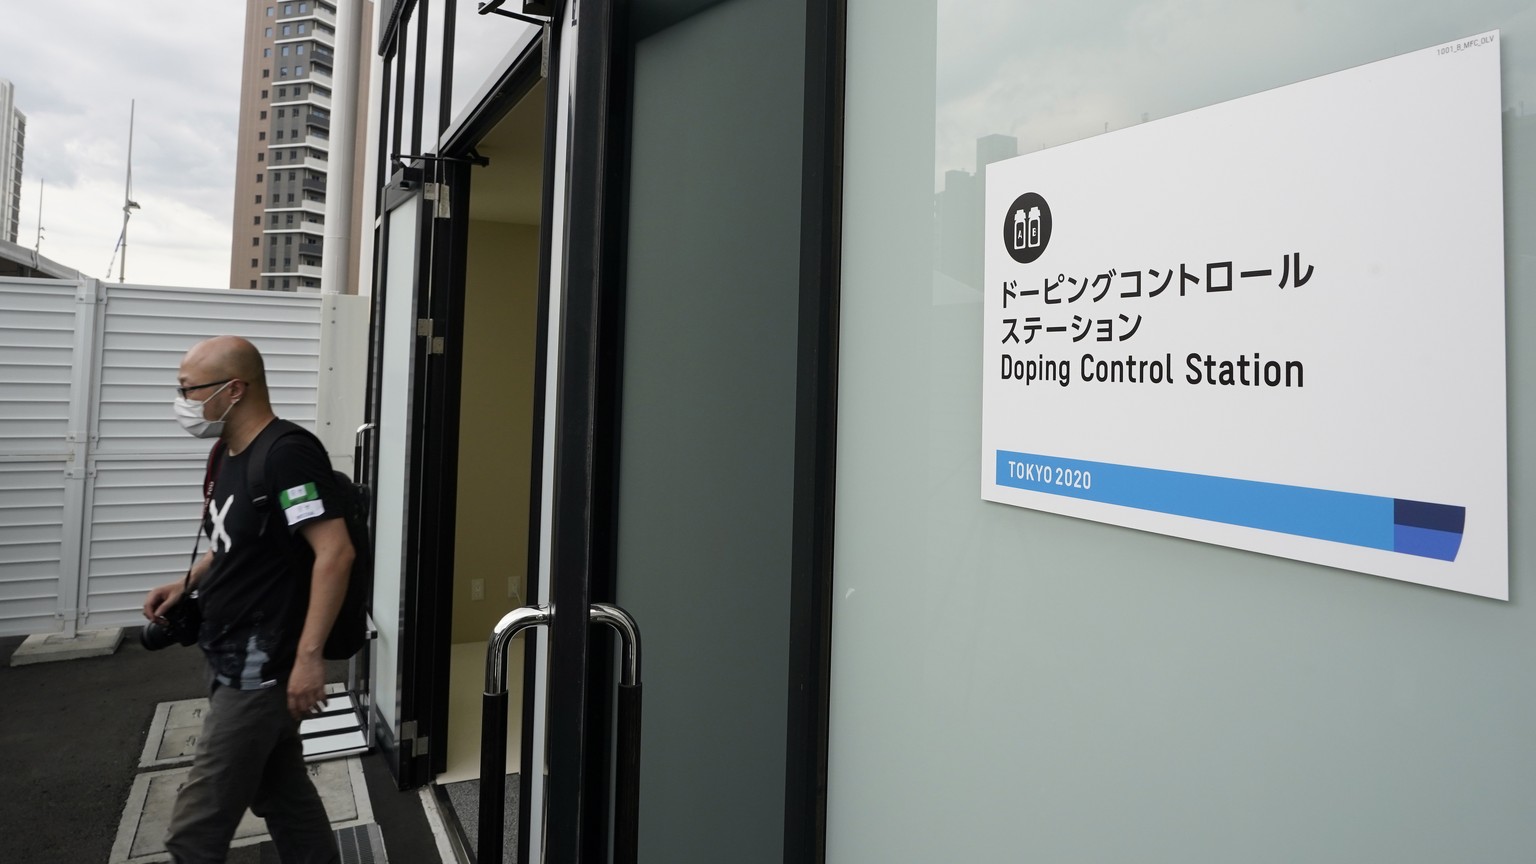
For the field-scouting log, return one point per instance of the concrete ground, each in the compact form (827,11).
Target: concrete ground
(71,735)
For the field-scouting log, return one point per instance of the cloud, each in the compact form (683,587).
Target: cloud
(75,70)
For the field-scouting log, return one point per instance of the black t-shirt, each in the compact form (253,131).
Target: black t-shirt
(256,594)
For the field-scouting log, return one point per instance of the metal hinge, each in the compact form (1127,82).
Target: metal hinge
(438,192)
(409,743)
(424,327)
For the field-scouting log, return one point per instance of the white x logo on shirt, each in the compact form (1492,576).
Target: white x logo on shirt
(218,533)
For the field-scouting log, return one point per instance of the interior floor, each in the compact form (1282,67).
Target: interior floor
(466,687)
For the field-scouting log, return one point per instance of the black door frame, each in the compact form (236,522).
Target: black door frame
(579,728)
(815,484)
(514,84)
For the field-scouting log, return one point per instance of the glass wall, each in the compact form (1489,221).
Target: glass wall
(1013,685)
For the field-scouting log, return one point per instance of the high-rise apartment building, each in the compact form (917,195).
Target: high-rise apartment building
(13,141)
(288,142)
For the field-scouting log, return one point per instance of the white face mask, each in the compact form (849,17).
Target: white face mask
(190,415)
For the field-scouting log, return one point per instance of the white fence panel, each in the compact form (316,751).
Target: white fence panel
(31,545)
(148,329)
(37,327)
(37,346)
(143,521)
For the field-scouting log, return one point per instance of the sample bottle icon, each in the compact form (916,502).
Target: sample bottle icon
(1027,228)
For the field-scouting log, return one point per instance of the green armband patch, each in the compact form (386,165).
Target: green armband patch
(300,503)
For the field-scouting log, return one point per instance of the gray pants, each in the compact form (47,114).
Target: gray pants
(249,755)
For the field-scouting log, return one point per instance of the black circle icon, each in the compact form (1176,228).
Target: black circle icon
(1027,227)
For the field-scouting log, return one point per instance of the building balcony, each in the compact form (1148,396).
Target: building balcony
(319,121)
(315,164)
(314,10)
(315,249)
(309,205)
(317,76)
(308,271)
(312,185)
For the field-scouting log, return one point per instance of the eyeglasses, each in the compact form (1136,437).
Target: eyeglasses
(183,391)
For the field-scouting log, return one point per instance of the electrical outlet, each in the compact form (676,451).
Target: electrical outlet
(477,589)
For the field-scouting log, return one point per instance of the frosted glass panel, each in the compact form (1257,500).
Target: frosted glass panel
(707,444)
(1017,686)
(394,445)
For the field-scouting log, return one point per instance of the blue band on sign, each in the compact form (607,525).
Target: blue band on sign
(1394,524)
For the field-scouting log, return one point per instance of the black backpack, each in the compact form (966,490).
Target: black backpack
(350,630)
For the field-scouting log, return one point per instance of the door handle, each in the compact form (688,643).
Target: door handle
(360,447)
(626,771)
(493,731)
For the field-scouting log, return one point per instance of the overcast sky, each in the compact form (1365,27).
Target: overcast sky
(76,67)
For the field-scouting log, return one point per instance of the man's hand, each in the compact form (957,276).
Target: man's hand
(306,687)
(162,598)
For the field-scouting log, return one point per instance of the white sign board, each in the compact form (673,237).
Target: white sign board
(1275,324)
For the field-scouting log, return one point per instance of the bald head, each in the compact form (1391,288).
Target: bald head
(226,357)
(230,381)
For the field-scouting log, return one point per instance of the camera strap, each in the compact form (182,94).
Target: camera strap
(210,477)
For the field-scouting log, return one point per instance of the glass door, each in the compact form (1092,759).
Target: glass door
(404,347)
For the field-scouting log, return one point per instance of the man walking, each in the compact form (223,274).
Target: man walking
(269,589)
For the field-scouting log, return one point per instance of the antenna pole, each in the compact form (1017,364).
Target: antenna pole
(42,187)
(128,204)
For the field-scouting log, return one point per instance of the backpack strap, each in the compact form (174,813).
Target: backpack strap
(256,469)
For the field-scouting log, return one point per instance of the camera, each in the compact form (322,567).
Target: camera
(178,626)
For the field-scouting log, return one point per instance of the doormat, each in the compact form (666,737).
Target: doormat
(464,803)
(363,844)
(335,732)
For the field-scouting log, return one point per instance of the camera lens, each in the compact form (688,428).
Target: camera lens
(178,627)
(155,636)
